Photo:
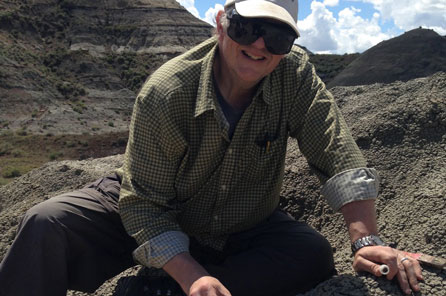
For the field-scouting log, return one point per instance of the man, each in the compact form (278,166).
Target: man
(202,174)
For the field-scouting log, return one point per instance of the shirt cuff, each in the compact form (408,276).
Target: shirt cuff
(351,185)
(159,250)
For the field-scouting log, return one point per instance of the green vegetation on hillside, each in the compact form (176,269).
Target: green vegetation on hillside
(133,68)
(70,72)
(329,65)
(21,152)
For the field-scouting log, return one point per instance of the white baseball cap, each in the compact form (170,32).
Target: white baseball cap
(284,11)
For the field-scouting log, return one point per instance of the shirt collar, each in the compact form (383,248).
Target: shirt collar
(206,97)
(206,93)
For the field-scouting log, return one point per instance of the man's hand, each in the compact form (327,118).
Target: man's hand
(360,217)
(208,286)
(193,278)
(407,271)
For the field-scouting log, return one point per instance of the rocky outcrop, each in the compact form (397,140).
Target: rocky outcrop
(141,26)
(75,66)
(416,53)
(401,129)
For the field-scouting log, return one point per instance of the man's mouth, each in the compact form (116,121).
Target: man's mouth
(253,57)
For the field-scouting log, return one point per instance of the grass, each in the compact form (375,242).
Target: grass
(78,106)
(133,68)
(20,153)
(11,172)
(329,65)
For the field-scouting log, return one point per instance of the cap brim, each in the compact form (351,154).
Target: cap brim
(265,9)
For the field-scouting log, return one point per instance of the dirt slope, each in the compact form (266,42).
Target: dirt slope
(416,53)
(74,66)
(401,128)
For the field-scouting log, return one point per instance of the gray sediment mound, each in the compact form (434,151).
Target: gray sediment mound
(416,53)
(400,127)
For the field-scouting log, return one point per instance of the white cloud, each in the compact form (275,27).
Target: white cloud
(321,31)
(190,6)
(355,34)
(316,30)
(410,14)
(331,2)
(210,14)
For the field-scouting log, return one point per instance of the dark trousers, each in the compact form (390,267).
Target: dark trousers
(77,241)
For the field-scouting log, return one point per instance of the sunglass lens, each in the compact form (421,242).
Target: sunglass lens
(278,40)
(278,44)
(242,32)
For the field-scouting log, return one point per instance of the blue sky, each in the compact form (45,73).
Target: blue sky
(335,26)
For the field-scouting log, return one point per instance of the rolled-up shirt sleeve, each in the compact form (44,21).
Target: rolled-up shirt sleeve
(327,144)
(159,250)
(351,185)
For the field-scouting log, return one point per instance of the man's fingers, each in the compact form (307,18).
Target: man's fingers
(362,264)
(402,279)
(409,272)
(223,292)
(411,268)
(217,292)
(371,258)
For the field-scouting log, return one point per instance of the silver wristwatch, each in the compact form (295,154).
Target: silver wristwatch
(370,240)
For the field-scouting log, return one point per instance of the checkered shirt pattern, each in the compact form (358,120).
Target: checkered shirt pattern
(183,176)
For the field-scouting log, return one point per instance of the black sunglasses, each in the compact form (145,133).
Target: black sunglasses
(278,38)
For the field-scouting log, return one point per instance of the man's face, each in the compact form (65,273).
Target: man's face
(246,63)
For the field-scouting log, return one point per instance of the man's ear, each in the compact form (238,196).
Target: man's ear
(218,21)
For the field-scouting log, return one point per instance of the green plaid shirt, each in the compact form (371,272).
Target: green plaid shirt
(183,176)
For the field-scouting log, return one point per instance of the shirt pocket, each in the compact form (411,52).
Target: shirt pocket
(261,159)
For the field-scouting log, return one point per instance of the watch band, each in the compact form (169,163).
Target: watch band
(370,240)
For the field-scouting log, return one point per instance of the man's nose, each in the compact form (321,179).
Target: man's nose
(259,43)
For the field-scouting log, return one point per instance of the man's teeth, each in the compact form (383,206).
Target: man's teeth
(257,58)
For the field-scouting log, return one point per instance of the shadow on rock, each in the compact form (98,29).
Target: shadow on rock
(344,284)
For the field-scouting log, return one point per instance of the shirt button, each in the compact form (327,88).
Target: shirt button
(216,217)
(223,187)
(230,151)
